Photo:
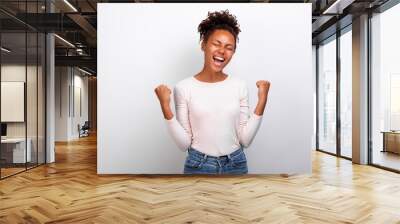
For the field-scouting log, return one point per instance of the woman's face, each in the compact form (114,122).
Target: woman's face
(218,50)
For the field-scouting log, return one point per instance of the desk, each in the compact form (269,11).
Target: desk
(391,141)
(17,150)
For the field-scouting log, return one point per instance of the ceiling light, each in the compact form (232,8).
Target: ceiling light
(70,5)
(64,40)
(5,50)
(79,51)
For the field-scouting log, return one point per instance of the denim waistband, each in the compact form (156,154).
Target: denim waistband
(197,153)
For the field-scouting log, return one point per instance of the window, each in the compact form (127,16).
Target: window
(327,96)
(346,93)
(385,88)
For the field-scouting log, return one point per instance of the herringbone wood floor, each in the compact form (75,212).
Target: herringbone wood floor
(70,191)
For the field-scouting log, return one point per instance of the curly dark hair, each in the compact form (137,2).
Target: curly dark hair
(218,20)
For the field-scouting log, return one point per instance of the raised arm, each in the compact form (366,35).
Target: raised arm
(263,89)
(179,128)
(248,126)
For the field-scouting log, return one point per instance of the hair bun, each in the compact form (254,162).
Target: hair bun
(218,20)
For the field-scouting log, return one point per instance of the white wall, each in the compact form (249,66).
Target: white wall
(143,45)
(80,84)
(61,103)
(68,81)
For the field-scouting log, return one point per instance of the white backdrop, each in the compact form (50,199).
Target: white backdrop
(143,45)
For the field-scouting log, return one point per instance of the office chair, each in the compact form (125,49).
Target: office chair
(84,130)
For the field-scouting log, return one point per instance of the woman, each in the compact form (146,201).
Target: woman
(212,111)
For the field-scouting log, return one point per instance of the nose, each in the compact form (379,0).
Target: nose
(221,50)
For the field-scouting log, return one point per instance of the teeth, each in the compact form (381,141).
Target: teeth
(219,58)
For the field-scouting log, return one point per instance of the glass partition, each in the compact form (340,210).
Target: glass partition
(327,96)
(22,77)
(385,89)
(13,111)
(346,93)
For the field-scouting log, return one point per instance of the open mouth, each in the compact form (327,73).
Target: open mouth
(219,61)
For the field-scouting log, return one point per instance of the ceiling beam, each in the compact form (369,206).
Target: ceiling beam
(86,26)
(85,61)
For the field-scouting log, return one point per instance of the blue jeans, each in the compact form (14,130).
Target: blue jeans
(200,163)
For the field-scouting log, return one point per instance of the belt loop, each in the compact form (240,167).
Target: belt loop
(205,156)
(229,156)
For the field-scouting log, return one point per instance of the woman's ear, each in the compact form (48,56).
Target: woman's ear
(203,45)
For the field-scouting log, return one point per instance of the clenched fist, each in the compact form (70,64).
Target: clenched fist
(263,88)
(164,94)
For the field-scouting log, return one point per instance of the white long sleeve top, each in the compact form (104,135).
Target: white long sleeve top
(212,118)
